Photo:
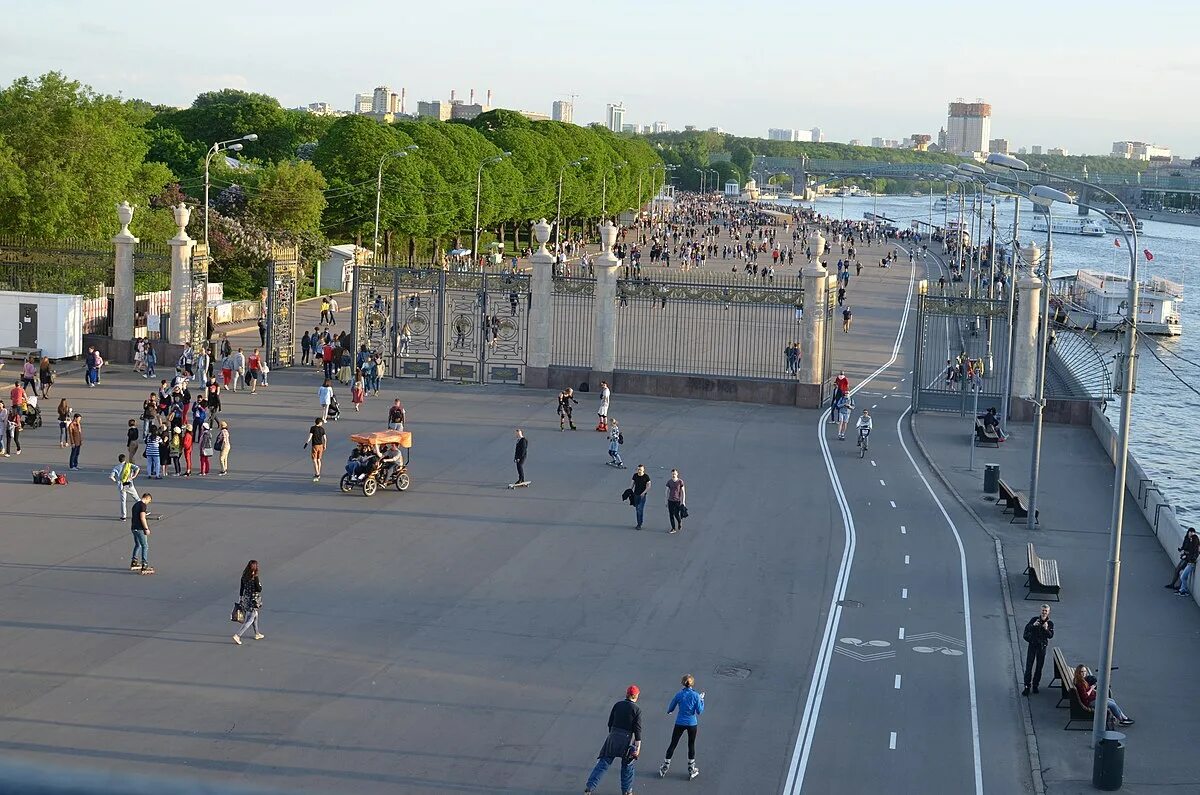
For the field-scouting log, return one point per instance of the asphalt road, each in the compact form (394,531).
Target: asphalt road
(461,637)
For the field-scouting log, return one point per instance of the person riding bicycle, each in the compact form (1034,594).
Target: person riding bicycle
(864,425)
(390,458)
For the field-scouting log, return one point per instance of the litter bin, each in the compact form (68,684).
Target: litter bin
(1108,766)
(991,478)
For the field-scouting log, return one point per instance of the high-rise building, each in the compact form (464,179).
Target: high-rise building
(877,142)
(782,134)
(817,135)
(660,127)
(382,100)
(1139,150)
(465,111)
(1035,150)
(614,117)
(631,128)
(533,115)
(1058,151)
(563,111)
(855,142)
(434,109)
(998,145)
(362,103)
(968,127)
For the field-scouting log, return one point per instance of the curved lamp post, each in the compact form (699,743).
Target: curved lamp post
(558,212)
(232,145)
(379,193)
(478,194)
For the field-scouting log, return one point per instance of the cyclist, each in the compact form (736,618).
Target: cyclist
(864,426)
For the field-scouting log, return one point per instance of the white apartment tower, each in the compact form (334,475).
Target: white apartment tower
(362,103)
(969,127)
(382,100)
(782,134)
(614,117)
(563,111)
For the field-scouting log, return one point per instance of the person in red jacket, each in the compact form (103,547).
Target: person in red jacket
(1085,686)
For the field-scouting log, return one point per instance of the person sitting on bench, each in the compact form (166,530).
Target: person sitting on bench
(1085,686)
(992,423)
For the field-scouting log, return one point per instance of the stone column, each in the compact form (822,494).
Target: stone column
(604,349)
(541,310)
(1025,336)
(181,278)
(123,293)
(815,281)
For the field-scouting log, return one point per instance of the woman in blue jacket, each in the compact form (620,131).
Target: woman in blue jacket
(690,704)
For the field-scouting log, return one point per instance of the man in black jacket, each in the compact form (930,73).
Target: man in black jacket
(519,456)
(624,742)
(1038,633)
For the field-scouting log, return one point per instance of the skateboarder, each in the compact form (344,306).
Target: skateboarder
(519,457)
(141,535)
(624,742)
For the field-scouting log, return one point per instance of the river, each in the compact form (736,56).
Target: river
(1162,405)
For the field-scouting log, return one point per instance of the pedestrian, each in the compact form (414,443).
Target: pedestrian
(396,416)
(206,448)
(187,442)
(238,366)
(75,440)
(324,396)
(164,448)
(519,454)
(140,561)
(602,411)
(123,474)
(131,438)
(64,419)
(254,363)
(250,601)
(305,348)
(317,438)
(1038,632)
(690,705)
(842,406)
(333,308)
(151,360)
(222,445)
(45,376)
(565,399)
(676,501)
(641,489)
(615,440)
(358,392)
(175,449)
(16,421)
(1189,550)
(262,332)
(847,317)
(624,742)
(324,309)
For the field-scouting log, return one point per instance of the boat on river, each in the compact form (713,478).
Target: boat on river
(1099,301)
(1068,225)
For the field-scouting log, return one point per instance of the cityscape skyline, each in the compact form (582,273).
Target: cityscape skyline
(846,96)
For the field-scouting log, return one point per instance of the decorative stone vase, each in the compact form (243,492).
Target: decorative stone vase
(125,216)
(541,232)
(182,214)
(608,237)
(819,245)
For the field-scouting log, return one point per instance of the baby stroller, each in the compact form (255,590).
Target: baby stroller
(335,411)
(31,414)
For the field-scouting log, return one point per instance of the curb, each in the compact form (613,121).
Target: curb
(1035,760)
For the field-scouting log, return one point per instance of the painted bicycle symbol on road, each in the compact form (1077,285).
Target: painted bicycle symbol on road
(860,643)
(942,649)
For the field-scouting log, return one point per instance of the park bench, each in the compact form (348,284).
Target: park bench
(1014,501)
(1079,711)
(984,435)
(1041,576)
(1063,672)
(19,353)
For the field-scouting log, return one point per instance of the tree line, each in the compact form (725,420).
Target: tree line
(68,155)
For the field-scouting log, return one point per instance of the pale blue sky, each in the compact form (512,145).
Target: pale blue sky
(1057,73)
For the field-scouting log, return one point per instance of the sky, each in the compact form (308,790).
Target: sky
(1060,73)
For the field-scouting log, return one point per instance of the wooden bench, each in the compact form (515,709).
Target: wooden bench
(1041,576)
(1079,711)
(983,435)
(1064,673)
(19,353)
(1014,501)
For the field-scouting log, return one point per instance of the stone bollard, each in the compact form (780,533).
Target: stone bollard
(604,348)
(1025,337)
(541,310)
(123,291)
(179,329)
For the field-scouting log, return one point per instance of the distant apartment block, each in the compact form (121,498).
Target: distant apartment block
(1035,150)
(614,117)
(816,135)
(362,103)
(660,127)
(434,109)
(1139,150)
(533,115)
(563,111)
(998,145)
(968,126)
(628,128)
(782,134)
(1058,151)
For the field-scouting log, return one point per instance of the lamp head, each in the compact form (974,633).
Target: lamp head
(1046,195)
(236,148)
(411,148)
(250,137)
(1007,161)
(970,168)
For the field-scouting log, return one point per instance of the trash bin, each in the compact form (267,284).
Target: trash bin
(1108,766)
(991,478)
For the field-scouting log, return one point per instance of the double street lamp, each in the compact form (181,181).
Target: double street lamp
(379,193)
(558,212)
(478,195)
(604,187)
(232,145)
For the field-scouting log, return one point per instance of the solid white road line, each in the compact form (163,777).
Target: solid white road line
(794,782)
(966,597)
(892,742)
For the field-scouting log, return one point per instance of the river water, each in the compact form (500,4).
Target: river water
(1165,411)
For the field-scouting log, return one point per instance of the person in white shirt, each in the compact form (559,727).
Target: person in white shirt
(864,424)
(325,396)
(602,412)
(123,474)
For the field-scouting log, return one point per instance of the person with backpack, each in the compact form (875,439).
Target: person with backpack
(206,448)
(615,440)
(1038,632)
(687,720)
(221,445)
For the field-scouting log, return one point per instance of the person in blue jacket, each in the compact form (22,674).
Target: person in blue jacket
(690,704)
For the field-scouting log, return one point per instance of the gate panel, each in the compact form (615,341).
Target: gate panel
(949,331)
(281,306)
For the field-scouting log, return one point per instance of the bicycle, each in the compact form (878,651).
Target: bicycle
(864,435)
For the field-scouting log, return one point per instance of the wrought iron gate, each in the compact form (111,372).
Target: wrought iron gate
(198,335)
(470,327)
(831,329)
(948,331)
(282,274)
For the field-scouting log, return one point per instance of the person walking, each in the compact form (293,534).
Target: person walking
(140,561)
(75,440)
(324,397)
(324,309)
(238,369)
(333,308)
(222,445)
(641,489)
(615,439)
(123,474)
(132,435)
(687,720)
(45,376)
(847,319)
(187,442)
(153,454)
(842,406)
(676,500)
(254,363)
(519,454)
(624,742)
(396,416)
(1189,550)
(250,600)
(305,348)
(151,360)
(206,448)
(316,437)
(602,411)
(1038,632)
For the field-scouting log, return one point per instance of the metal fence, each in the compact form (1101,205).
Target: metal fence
(948,331)
(574,305)
(707,328)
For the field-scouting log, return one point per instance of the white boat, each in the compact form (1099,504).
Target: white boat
(1099,301)
(954,201)
(1068,225)
(1116,229)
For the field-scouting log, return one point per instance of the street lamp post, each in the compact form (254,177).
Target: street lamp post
(232,145)
(478,195)
(997,189)
(379,194)
(558,212)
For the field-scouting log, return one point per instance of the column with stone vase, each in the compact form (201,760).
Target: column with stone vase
(813,327)
(123,291)
(541,310)
(604,345)
(179,329)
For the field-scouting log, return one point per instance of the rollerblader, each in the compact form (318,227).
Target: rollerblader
(615,440)
(624,742)
(602,412)
(141,536)
(565,399)
(690,705)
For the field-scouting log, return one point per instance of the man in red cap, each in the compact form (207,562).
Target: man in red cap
(624,742)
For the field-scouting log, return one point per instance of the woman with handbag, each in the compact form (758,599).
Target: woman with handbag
(249,602)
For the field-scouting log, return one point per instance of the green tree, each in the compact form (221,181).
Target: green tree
(287,197)
(742,157)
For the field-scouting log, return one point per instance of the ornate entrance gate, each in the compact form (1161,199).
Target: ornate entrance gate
(281,306)
(948,330)
(470,327)
(199,297)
